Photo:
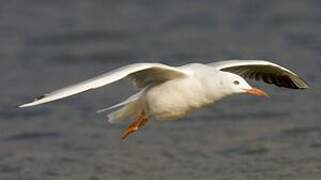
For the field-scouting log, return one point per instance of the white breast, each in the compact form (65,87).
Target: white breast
(175,98)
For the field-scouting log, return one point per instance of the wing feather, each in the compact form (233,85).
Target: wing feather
(262,70)
(141,74)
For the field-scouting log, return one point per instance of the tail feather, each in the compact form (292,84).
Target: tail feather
(123,113)
(130,107)
(113,107)
(117,116)
(127,101)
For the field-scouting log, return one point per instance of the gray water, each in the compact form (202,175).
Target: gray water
(45,45)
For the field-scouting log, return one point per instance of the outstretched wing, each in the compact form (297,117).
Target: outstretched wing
(141,74)
(261,70)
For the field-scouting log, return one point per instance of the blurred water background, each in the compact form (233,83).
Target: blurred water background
(45,45)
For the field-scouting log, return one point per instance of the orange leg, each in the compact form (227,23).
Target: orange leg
(134,126)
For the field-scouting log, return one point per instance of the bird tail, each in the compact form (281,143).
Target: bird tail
(129,110)
(132,106)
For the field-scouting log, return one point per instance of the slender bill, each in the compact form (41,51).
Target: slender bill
(257,92)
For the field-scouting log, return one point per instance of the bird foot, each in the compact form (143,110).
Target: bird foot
(129,131)
(134,126)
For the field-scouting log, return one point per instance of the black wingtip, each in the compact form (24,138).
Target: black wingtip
(40,97)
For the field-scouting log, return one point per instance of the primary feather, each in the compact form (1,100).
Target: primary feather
(262,70)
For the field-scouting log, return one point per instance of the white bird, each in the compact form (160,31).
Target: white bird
(168,92)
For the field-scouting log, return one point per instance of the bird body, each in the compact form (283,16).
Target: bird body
(174,99)
(169,93)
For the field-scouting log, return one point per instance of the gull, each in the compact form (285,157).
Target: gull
(169,93)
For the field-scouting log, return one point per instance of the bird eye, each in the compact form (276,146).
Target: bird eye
(236,82)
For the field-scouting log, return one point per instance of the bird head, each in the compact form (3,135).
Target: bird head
(237,84)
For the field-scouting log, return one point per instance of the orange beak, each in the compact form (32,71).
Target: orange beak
(257,92)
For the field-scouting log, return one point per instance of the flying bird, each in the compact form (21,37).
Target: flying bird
(168,92)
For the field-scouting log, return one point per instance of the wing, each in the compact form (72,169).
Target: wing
(261,70)
(141,74)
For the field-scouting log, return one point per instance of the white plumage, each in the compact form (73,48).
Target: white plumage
(171,92)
